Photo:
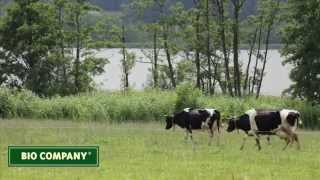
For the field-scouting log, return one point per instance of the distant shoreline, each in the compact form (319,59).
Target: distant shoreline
(135,45)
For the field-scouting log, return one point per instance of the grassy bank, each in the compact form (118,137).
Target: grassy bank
(136,106)
(147,151)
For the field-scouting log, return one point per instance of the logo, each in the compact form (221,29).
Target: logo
(53,156)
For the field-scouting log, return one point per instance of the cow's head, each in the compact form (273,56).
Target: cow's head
(169,122)
(231,124)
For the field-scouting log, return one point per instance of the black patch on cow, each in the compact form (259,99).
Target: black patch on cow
(195,119)
(242,122)
(267,121)
(292,118)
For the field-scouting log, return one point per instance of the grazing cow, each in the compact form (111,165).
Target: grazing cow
(170,117)
(195,119)
(267,122)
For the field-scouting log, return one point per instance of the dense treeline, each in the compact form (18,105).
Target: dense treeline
(49,47)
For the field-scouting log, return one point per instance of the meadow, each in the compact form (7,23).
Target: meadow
(136,150)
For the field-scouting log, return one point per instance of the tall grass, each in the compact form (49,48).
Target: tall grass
(149,105)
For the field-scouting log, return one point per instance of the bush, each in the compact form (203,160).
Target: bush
(6,105)
(149,105)
(187,96)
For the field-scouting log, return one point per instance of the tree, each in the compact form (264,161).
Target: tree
(27,35)
(162,29)
(301,48)
(220,4)
(127,61)
(79,32)
(252,43)
(164,22)
(270,12)
(37,43)
(237,5)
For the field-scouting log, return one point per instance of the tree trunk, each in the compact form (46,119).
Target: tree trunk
(197,53)
(267,47)
(124,60)
(220,6)
(210,89)
(78,51)
(257,59)
(245,86)
(155,59)
(265,60)
(62,50)
(237,79)
(168,55)
(215,64)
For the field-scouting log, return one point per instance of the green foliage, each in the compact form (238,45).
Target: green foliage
(302,50)
(37,40)
(27,33)
(187,96)
(139,106)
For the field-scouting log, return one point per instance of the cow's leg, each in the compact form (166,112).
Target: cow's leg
(243,141)
(289,137)
(210,135)
(258,142)
(285,137)
(190,133)
(295,137)
(268,139)
(287,143)
(187,135)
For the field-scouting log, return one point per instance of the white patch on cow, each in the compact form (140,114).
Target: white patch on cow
(284,114)
(252,115)
(186,109)
(211,111)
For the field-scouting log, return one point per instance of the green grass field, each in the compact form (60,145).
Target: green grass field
(147,151)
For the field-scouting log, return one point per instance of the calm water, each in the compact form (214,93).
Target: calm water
(275,81)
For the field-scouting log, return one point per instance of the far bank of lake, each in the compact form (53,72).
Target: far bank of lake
(276,79)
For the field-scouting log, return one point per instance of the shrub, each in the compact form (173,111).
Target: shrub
(187,96)
(140,106)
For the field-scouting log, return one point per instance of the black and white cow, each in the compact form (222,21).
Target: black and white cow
(256,122)
(195,119)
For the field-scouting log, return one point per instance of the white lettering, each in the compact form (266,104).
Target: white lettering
(48,156)
(69,157)
(42,155)
(28,156)
(83,154)
(64,155)
(56,156)
(23,156)
(76,156)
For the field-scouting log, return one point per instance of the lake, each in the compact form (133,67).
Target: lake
(275,81)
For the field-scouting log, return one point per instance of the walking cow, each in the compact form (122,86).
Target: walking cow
(256,122)
(195,119)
